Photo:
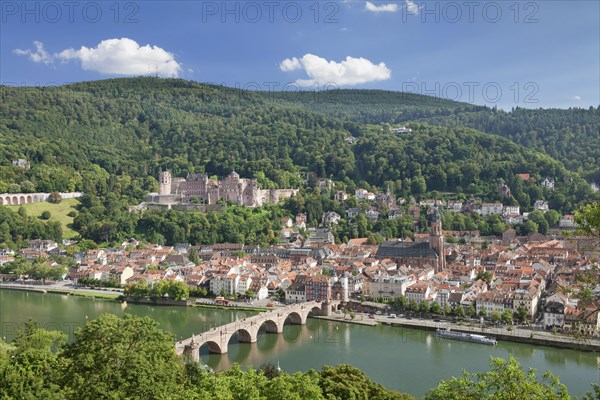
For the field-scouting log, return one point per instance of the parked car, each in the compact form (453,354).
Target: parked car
(392,316)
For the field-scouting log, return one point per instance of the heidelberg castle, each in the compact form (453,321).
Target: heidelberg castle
(240,191)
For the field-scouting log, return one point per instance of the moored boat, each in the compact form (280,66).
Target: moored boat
(467,337)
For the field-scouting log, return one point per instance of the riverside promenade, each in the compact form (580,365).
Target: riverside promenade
(515,334)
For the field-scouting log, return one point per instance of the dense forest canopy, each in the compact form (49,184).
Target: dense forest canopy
(78,136)
(571,136)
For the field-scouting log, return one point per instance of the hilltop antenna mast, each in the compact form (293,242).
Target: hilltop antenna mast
(157,74)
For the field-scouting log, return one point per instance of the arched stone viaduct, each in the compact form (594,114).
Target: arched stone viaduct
(247,329)
(9,199)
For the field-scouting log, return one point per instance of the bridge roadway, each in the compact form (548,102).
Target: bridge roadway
(218,338)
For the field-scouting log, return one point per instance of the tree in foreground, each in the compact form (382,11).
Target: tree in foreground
(121,358)
(29,369)
(347,382)
(506,380)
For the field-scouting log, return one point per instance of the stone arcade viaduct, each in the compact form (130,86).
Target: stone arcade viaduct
(8,199)
(247,329)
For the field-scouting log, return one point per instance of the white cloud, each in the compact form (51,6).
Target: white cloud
(290,64)
(411,7)
(40,55)
(113,56)
(351,71)
(576,98)
(124,57)
(382,8)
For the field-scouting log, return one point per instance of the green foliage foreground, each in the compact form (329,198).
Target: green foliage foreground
(132,358)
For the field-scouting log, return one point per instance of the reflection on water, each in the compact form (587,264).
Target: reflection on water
(403,359)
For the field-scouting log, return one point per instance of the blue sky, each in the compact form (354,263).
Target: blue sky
(504,53)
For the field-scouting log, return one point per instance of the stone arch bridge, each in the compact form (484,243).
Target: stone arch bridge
(247,329)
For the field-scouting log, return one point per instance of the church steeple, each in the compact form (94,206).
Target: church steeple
(436,239)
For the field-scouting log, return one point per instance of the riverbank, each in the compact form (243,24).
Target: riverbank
(115,295)
(515,334)
(337,318)
(61,290)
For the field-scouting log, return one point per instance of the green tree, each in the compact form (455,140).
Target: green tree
(459,312)
(178,290)
(552,217)
(486,276)
(587,219)
(506,380)
(347,382)
(46,215)
(413,305)
(54,197)
(193,257)
(495,316)
(121,358)
(507,316)
(522,314)
(30,370)
(471,312)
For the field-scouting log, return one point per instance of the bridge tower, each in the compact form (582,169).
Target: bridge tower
(192,351)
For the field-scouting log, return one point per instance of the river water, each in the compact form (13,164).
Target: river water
(404,359)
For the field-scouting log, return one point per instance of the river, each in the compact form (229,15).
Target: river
(404,359)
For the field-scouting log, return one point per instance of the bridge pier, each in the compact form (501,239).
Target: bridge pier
(192,351)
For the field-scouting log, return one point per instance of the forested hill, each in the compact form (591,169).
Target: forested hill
(115,135)
(568,135)
(367,106)
(138,126)
(571,136)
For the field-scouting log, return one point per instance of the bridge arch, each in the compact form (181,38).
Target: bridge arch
(1,200)
(22,200)
(296,318)
(244,336)
(271,326)
(15,200)
(29,199)
(315,311)
(213,347)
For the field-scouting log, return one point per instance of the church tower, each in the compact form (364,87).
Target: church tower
(436,239)
(164,183)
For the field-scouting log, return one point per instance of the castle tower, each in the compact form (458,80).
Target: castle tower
(164,183)
(436,239)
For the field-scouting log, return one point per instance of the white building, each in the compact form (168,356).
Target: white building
(567,221)
(387,286)
(512,210)
(491,208)
(540,205)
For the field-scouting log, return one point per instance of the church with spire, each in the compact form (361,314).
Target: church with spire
(418,254)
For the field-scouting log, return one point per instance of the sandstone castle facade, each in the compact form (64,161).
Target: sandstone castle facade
(232,188)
